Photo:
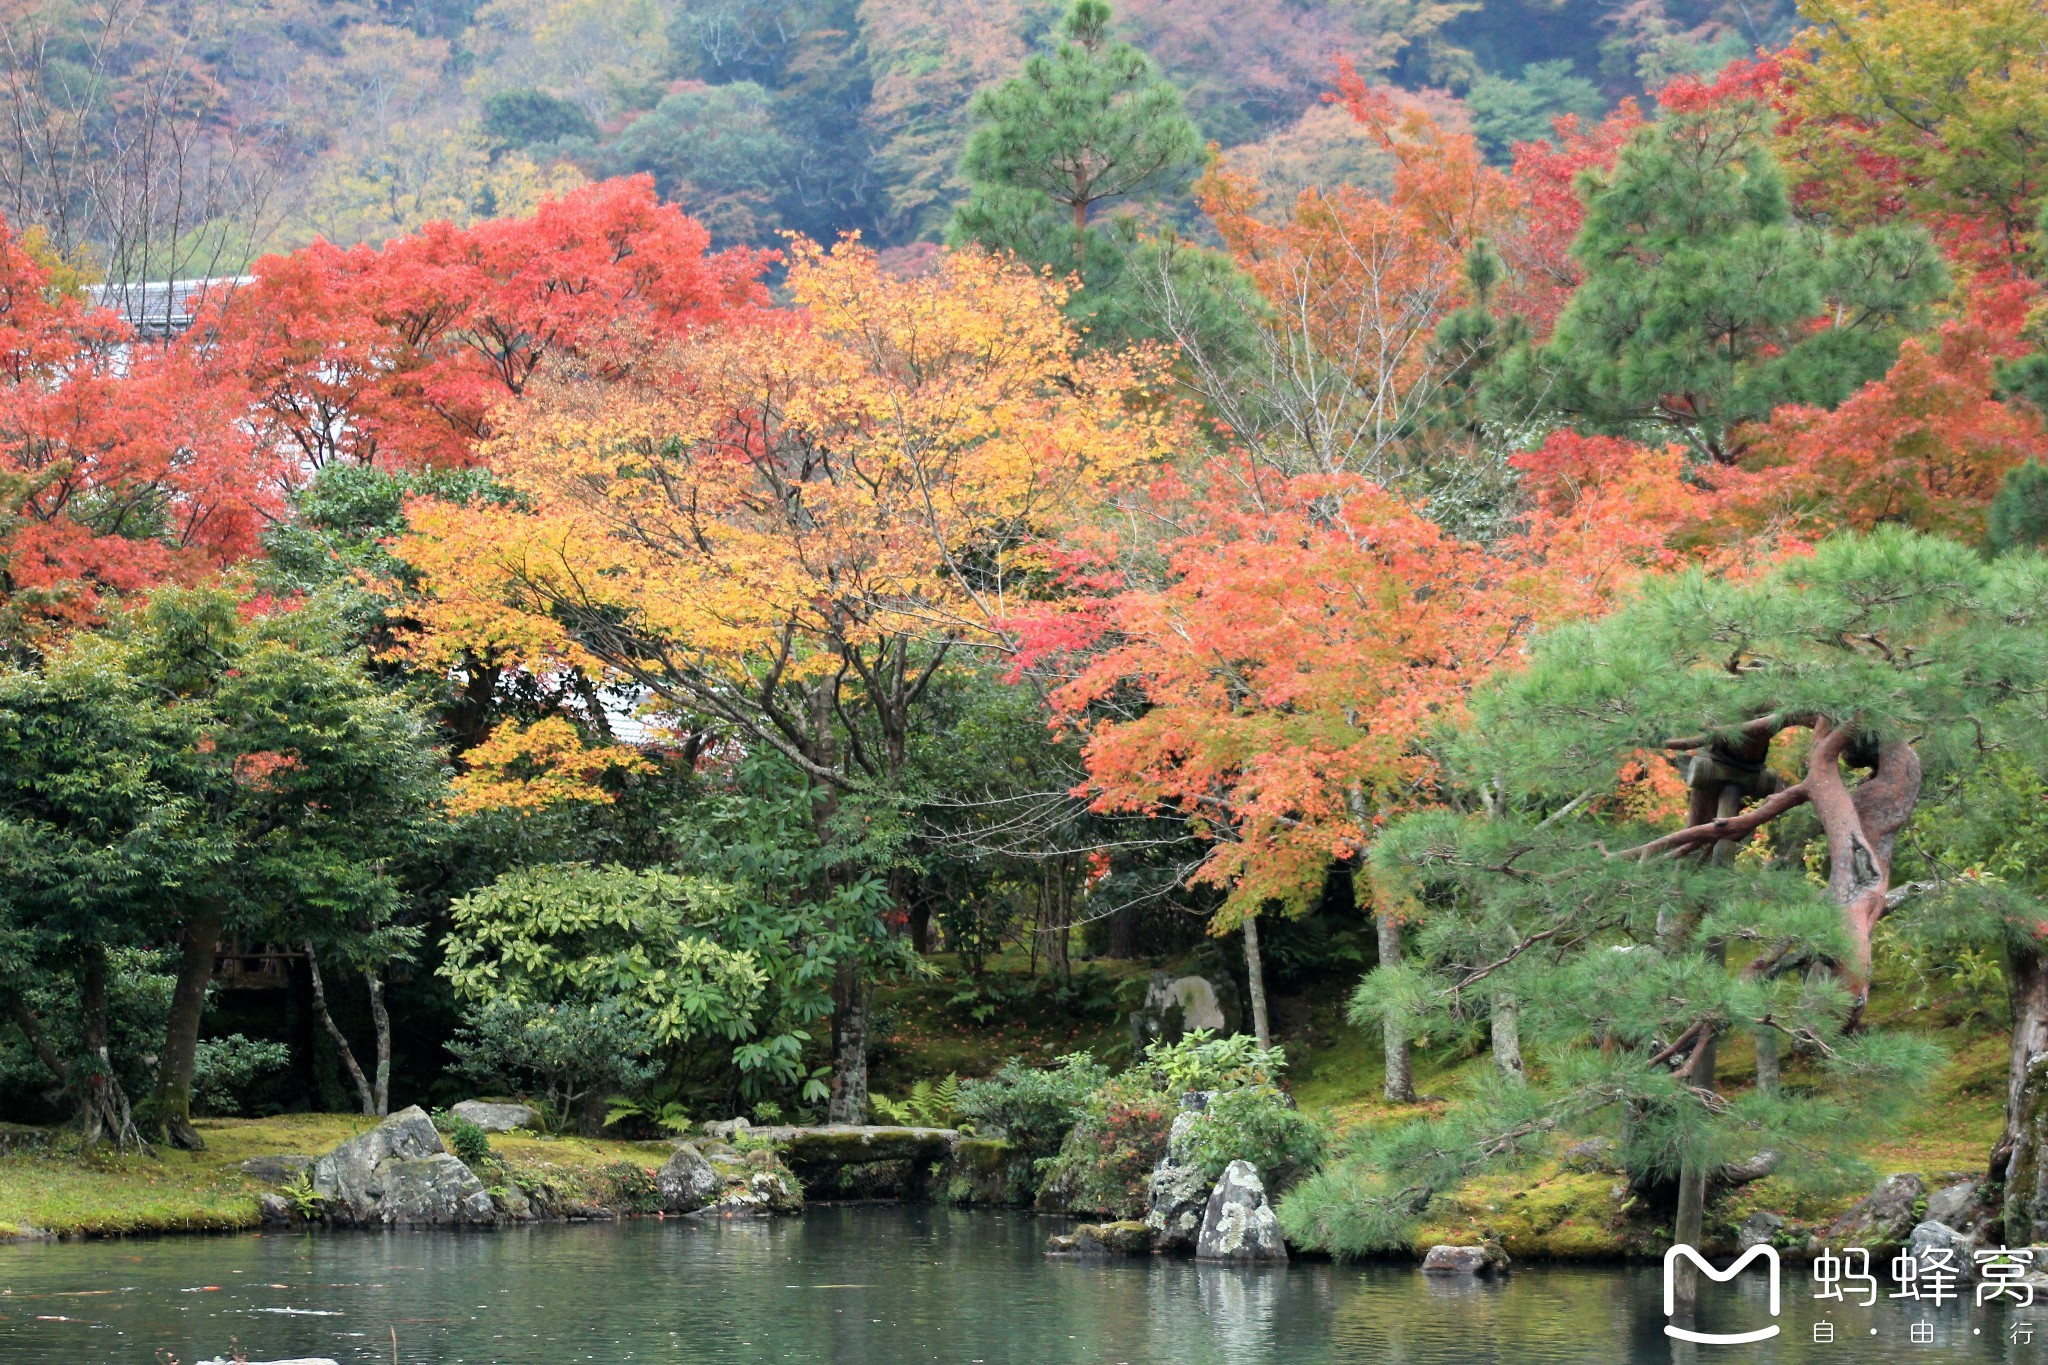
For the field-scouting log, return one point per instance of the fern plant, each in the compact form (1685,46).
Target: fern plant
(670,1118)
(929,1105)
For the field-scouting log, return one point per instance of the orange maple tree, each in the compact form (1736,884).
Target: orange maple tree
(121,466)
(401,353)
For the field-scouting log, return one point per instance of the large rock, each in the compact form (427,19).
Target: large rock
(1965,1205)
(1883,1218)
(498,1118)
(1446,1259)
(1239,1225)
(1176,1006)
(400,1174)
(687,1181)
(1929,1238)
(1594,1156)
(989,1171)
(1177,1196)
(1760,1229)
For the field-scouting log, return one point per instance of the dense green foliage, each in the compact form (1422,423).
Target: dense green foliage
(1705,304)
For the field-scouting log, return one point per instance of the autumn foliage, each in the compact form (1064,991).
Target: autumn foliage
(399,354)
(832,495)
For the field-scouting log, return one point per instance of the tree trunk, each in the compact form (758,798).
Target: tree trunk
(341,1047)
(1400,1084)
(1255,977)
(1080,233)
(172,1105)
(1686,1229)
(1123,932)
(1862,827)
(921,926)
(1507,1037)
(849,1100)
(1061,906)
(1767,1061)
(380,1020)
(2026,980)
(104,1113)
(38,1042)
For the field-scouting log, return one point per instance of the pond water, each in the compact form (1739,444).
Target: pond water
(876,1285)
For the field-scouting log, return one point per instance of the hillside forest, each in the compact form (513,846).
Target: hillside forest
(677,544)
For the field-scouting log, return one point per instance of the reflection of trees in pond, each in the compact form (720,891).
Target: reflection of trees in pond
(1392,1315)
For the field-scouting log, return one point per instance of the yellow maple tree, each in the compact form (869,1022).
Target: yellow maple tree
(789,526)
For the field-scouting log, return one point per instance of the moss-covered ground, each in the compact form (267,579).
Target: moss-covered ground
(62,1192)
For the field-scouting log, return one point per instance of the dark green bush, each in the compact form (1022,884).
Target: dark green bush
(471,1145)
(1034,1108)
(1259,1124)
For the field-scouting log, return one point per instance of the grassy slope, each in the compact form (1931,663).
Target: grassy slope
(1547,1211)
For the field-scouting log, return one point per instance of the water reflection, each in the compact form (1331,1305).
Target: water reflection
(878,1286)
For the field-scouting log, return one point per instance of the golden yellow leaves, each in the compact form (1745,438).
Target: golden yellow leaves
(531,767)
(886,460)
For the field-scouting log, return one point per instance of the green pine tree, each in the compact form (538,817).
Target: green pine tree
(1701,293)
(1088,125)
(1631,953)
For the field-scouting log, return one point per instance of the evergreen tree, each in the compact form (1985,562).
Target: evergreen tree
(1506,110)
(2018,518)
(1092,123)
(1800,709)
(1705,304)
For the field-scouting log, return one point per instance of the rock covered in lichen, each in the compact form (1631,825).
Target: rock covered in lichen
(1239,1225)
(686,1181)
(400,1174)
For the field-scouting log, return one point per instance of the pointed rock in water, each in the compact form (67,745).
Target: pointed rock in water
(1239,1225)
(399,1173)
(687,1181)
(1177,1196)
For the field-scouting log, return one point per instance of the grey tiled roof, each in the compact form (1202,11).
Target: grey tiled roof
(158,309)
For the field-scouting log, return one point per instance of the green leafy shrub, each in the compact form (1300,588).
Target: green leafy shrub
(228,1072)
(471,1144)
(1105,1165)
(1032,1107)
(1202,1061)
(562,1052)
(1259,1124)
